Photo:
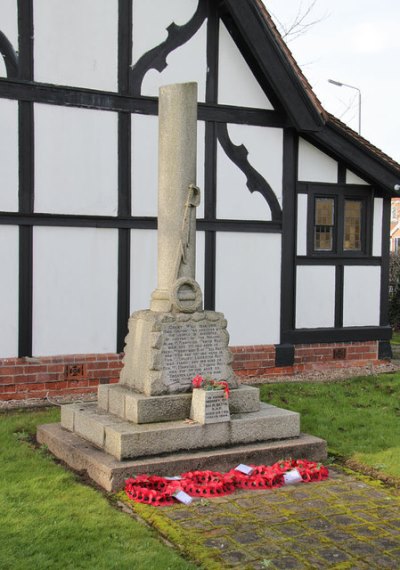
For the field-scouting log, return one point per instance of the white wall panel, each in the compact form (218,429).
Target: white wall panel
(76,160)
(9,291)
(265,147)
(74,290)
(187,62)
(145,165)
(237,84)
(3,70)
(9,23)
(361,300)
(248,286)
(302,207)
(76,42)
(315,297)
(314,165)
(200,259)
(9,155)
(377,227)
(143,268)
(352,178)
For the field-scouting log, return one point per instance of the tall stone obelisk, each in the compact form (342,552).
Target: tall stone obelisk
(175,340)
(178,197)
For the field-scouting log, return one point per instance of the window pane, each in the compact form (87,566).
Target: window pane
(323,224)
(323,238)
(352,225)
(324,211)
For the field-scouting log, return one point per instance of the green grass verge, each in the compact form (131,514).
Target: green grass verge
(48,520)
(359,417)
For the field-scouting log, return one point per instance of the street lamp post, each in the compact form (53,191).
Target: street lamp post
(339,84)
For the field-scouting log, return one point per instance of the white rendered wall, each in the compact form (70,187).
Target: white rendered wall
(74,290)
(76,160)
(187,62)
(76,43)
(237,84)
(314,165)
(9,291)
(302,206)
(9,155)
(377,227)
(315,297)
(352,178)
(144,266)
(361,299)
(9,27)
(248,286)
(265,147)
(145,165)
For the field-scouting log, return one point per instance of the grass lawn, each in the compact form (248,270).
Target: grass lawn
(359,417)
(48,520)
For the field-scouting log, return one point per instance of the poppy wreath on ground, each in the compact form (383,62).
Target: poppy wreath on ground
(207,484)
(151,490)
(262,477)
(159,491)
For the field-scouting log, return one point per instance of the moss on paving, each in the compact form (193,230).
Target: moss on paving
(346,522)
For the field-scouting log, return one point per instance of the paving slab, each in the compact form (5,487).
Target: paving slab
(303,526)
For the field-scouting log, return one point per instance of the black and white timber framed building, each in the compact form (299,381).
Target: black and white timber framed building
(293,232)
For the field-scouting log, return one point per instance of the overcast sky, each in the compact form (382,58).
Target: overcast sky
(356,42)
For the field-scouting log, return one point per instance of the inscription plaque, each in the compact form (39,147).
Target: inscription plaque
(192,348)
(209,406)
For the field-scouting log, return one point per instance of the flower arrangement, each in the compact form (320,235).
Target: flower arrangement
(208,384)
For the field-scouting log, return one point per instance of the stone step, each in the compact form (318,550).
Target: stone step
(106,471)
(125,440)
(135,407)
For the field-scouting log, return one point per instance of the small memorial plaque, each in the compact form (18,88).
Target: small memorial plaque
(209,406)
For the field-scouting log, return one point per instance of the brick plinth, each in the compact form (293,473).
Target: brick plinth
(24,378)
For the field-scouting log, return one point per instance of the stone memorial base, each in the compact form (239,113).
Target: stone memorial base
(110,473)
(123,435)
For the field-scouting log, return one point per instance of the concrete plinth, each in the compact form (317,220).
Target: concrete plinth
(132,406)
(110,474)
(124,440)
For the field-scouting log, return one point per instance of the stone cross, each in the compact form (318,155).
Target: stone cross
(178,197)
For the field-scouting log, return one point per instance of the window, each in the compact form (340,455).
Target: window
(339,223)
(324,224)
(352,225)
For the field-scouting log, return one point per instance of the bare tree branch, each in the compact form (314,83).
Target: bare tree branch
(301,22)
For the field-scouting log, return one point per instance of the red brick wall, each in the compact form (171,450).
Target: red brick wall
(259,361)
(23,378)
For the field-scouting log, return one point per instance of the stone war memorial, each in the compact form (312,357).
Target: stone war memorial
(152,421)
